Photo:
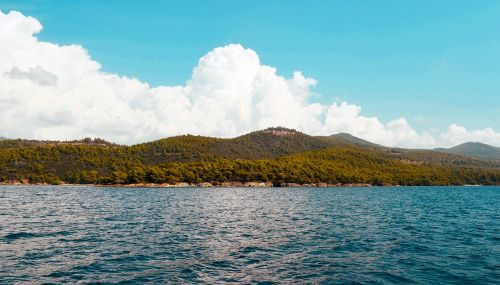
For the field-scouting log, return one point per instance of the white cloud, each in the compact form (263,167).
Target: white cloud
(36,74)
(456,135)
(49,91)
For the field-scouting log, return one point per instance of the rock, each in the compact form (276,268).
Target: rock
(256,184)
(357,185)
(292,185)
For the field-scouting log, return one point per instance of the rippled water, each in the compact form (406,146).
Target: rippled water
(285,236)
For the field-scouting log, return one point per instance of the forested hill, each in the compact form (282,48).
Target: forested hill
(274,155)
(474,149)
(269,143)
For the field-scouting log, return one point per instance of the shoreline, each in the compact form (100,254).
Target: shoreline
(223,185)
(197,185)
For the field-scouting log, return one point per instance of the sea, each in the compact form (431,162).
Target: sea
(376,235)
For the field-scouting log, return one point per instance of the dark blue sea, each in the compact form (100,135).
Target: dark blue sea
(379,235)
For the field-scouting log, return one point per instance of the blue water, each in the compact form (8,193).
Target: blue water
(431,235)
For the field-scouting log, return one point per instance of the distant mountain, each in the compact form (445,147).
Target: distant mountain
(474,149)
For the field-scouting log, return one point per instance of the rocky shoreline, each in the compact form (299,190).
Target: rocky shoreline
(236,185)
(232,184)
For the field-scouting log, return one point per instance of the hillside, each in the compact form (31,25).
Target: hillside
(350,139)
(474,149)
(268,143)
(9,143)
(276,142)
(274,155)
(433,157)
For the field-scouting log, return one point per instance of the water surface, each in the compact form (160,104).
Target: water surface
(272,236)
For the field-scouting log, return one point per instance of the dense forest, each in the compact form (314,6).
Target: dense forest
(276,156)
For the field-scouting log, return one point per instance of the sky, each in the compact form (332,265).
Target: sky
(400,73)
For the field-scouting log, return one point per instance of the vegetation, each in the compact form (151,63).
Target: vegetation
(474,149)
(274,155)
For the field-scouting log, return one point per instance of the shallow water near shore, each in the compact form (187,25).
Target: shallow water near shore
(250,235)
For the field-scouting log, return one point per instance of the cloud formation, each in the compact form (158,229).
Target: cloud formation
(49,91)
(36,74)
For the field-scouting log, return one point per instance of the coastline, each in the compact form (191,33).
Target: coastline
(233,184)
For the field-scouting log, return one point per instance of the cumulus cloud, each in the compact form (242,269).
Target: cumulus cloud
(50,91)
(36,74)
(456,135)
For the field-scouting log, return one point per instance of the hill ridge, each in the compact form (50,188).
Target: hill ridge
(474,149)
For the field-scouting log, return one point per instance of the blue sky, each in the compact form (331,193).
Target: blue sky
(432,62)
